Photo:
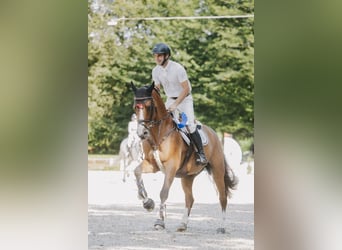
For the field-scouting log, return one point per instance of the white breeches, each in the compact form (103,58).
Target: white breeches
(187,107)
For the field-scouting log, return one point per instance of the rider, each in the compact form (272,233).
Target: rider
(132,131)
(173,77)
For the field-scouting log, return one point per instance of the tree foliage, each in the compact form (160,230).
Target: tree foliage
(217,53)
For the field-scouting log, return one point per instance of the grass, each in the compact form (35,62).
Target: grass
(104,165)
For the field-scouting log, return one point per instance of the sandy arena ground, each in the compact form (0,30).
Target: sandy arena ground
(117,220)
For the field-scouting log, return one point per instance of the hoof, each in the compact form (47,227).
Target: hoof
(149,205)
(221,230)
(159,225)
(182,227)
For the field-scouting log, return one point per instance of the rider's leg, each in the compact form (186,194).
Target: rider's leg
(187,107)
(129,141)
(196,139)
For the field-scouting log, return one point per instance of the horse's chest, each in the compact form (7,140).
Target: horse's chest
(158,160)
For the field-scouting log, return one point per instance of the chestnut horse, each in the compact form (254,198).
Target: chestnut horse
(166,151)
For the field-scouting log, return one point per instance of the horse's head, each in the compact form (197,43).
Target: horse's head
(149,108)
(143,93)
(144,107)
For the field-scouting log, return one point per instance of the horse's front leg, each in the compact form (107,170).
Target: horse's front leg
(144,166)
(164,194)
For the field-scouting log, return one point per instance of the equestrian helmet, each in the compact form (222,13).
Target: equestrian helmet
(161,48)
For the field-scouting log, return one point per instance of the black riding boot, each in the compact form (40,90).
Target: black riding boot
(196,138)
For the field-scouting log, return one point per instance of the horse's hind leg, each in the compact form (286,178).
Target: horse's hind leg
(122,168)
(124,164)
(189,201)
(142,194)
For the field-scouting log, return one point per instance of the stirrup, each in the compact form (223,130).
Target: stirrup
(201,159)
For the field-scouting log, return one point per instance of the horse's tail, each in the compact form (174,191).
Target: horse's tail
(230,179)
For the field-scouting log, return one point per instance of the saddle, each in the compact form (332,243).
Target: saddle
(181,128)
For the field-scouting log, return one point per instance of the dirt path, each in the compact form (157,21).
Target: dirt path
(117,220)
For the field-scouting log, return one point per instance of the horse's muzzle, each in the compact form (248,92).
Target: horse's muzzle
(143,133)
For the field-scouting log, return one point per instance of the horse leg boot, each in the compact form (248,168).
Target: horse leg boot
(148,203)
(196,138)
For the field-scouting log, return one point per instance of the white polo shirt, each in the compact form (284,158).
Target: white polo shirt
(171,78)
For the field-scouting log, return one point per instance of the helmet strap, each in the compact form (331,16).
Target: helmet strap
(165,59)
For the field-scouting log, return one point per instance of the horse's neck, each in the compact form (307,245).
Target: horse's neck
(162,113)
(164,117)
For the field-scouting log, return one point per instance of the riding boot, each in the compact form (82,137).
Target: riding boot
(196,138)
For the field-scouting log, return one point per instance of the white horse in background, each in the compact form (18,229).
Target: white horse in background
(232,152)
(130,157)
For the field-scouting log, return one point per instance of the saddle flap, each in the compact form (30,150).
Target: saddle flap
(181,125)
(186,137)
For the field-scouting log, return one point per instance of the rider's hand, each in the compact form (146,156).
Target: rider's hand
(172,107)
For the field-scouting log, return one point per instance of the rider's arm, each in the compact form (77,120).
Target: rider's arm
(185,92)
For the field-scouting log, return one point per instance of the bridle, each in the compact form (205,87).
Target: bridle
(140,103)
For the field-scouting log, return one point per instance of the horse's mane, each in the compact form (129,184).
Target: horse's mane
(159,101)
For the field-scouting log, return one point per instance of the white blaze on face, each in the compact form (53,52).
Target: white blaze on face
(140,117)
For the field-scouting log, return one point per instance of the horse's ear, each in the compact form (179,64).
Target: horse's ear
(156,88)
(149,90)
(133,87)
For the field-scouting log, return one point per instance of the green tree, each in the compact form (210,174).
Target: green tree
(218,55)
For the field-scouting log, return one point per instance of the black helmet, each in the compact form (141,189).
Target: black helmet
(161,48)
